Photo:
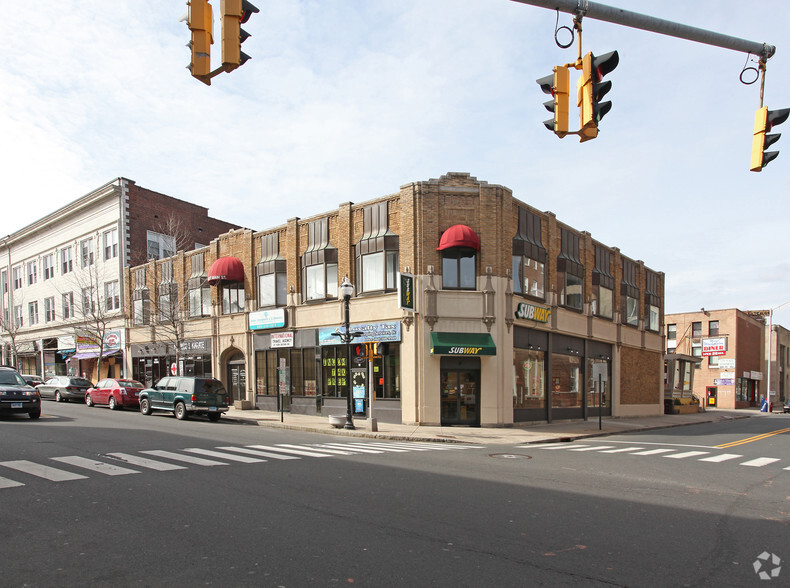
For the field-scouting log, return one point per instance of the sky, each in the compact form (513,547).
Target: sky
(347,101)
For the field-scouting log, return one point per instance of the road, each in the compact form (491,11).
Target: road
(95,497)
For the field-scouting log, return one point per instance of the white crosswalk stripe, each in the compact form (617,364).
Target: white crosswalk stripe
(593,448)
(685,454)
(302,452)
(6,483)
(41,471)
(722,457)
(353,447)
(316,448)
(622,450)
(266,454)
(143,462)
(185,458)
(222,455)
(95,466)
(653,452)
(759,462)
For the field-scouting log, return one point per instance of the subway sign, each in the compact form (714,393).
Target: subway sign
(533,313)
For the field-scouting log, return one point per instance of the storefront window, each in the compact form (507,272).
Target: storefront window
(598,383)
(333,368)
(566,390)
(529,387)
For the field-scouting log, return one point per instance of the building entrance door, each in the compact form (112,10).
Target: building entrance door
(237,378)
(460,394)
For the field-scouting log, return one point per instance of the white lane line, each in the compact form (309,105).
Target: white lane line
(41,471)
(722,457)
(221,455)
(95,466)
(315,448)
(290,451)
(151,464)
(654,451)
(759,462)
(622,450)
(556,445)
(686,454)
(6,483)
(185,458)
(266,454)
(592,448)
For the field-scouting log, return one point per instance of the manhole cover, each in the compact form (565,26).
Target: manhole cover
(509,456)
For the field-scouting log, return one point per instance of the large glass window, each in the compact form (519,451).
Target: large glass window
(199,291)
(377,251)
(319,264)
(528,277)
(570,271)
(529,372)
(602,296)
(232,297)
(631,311)
(598,383)
(459,268)
(333,370)
(571,294)
(629,290)
(566,385)
(652,301)
(272,276)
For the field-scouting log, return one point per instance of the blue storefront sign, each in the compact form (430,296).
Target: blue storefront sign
(371,333)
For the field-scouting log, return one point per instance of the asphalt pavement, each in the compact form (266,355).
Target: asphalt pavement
(517,434)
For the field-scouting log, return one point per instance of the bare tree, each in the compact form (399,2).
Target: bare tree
(176,237)
(9,327)
(172,312)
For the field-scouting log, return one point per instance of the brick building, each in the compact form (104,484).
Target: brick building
(516,316)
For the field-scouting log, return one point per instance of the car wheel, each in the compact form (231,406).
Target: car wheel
(34,414)
(88,401)
(111,403)
(58,397)
(214,416)
(145,407)
(180,411)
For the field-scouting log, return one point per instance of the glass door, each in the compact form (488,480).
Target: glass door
(460,397)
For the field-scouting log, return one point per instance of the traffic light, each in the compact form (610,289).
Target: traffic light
(592,90)
(558,85)
(200,21)
(360,354)
(382,348)
(234,14)
(764,120)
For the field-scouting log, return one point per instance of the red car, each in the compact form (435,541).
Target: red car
(115,393)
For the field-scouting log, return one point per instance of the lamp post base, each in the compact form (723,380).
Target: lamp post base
(349,424)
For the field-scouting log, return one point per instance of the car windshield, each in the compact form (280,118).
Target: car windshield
(11,379)
(209,387)
(80,382)
(130,383)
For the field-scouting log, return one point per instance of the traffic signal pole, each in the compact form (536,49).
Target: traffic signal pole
(598,11)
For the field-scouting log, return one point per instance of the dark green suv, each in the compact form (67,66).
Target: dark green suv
(186,395)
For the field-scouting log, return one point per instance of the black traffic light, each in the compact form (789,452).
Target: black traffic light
(234,14)
(558,85)
(382,348)
(592,89)
(764,121)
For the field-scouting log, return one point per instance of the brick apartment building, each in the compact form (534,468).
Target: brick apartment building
(61,277)
(516,316)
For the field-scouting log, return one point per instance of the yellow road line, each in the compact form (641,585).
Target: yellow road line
(751,439)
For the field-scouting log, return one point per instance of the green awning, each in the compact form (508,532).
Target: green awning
(462,344)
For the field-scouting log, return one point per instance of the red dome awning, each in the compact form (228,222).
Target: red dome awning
(226,269)
(459,236)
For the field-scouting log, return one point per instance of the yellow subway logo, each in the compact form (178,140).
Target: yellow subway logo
(465,350)
(533,313)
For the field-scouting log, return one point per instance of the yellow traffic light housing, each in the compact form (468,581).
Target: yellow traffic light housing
(558,85)
(591,89)
(234,13)
(200,21)
(764,121)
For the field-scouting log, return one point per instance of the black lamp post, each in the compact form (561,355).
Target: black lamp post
(347,291)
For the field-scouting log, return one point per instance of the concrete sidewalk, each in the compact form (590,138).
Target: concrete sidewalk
(527,433)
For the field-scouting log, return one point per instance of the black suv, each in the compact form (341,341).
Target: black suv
(186,395)
(16,395)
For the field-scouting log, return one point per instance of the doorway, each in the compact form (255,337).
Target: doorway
(460,393)
(237,377)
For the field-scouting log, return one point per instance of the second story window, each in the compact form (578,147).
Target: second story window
(232,297)
(459,245)
(67,300)
(652,301)
(141,312)
(271,270)
(86,252)
(713,328)
(110,243)
(16,277)
(49,309)
(168,295)
(18,317)
(199,289)
(32,272)
(629,291)
(570,271)
(377,251)
(66,260)
(48,261)
(529,257)
(33,313)
(602,284)
(319,263)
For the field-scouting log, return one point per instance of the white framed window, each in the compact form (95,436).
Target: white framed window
(160,246)
(48,261)
(87,302)
(32,272)
(66,260)
(32,313)
(16,277)
(112,295)
(67,305)
(652,318)
(232,297)
(86,252)
(49,309)
(631,311)
(19,320)
(200,300)
(110,242)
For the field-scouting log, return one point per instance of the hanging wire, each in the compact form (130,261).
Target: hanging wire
(751,71)
(557,30)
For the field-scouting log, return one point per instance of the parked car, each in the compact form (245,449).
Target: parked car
(787,406)
(16,395)
(184,396)
(32,379)
(115,393)
(63,388)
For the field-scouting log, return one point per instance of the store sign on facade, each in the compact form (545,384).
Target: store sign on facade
(281,340)
(267,319)
(533,313)
(713,346)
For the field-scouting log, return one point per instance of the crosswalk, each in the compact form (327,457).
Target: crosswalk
(709,456)
(76,467)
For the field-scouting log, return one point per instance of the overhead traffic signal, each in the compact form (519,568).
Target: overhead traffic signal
(200,21)
(558,85)
(234,14)
(764,120)
(592,89)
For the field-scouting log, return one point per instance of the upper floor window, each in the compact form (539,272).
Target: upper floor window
(271,270)
(198,287)
(88,303)
(570,271)
(459,246)
(602,284)
(32,272)
(18,316)
(160,246)
(86,252)
(672,332)
(377,251)
(319,263)
(49,309)
(713,328)
(529,257)
(696,329)
(4,281)
(168,294)
(110,243)
(32,308)
(48,261)
(66,262)
(112,295)
(16,277)
(652,301)
(232,297)
(67,300)
(629,290)
(141,312)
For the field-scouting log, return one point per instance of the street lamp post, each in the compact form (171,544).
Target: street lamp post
(347,291)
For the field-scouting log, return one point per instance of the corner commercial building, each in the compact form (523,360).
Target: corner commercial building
(515,316)
(65,271)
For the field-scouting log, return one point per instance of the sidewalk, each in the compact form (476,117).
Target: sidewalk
(526,433)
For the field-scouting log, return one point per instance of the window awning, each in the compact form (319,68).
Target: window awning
(90,354)
(226,269)
(459,236)
(462,344)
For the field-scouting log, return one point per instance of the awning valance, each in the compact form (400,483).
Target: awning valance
(226,269)
(91,354)
(459,236)
(462,344)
